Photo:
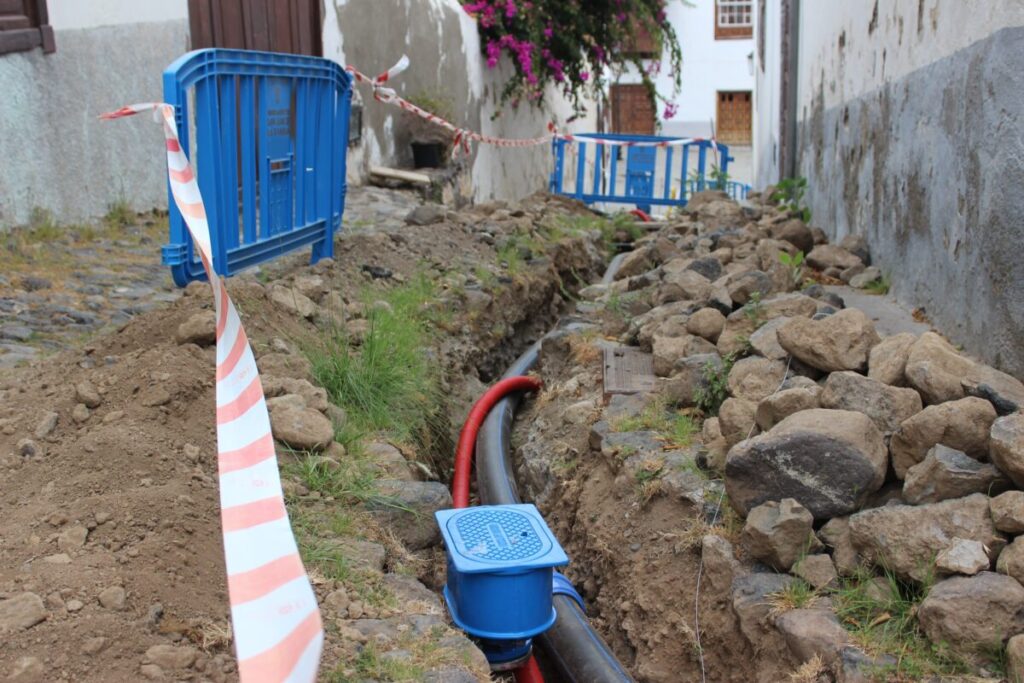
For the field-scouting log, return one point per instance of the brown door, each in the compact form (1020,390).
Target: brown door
(269,25)
(734,118)
(632,110)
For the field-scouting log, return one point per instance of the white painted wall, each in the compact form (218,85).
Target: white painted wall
(77,14)
(443,44)
(767,95)
(709,66)
(908,35)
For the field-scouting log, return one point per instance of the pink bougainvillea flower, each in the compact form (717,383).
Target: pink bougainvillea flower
(671,109)
(584,75)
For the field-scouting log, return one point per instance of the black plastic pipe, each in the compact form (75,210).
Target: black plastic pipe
(571,646)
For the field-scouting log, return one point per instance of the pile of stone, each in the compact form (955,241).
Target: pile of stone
(845,451)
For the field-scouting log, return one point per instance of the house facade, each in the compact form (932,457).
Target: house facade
(907,119)
(64,62)
(716,97)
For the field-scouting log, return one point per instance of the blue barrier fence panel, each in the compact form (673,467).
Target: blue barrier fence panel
(271,132)
(653,176)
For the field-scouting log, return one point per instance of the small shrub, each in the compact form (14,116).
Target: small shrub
(119,215)
(789,195)
(795,263)
(714,388)
(879,286)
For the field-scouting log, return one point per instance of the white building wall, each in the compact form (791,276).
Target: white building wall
(57,155)
(767,95)
(709,66)
(443,45)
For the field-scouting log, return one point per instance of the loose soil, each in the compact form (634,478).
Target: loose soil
(138,471)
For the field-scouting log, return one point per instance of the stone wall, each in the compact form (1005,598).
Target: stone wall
(927,163)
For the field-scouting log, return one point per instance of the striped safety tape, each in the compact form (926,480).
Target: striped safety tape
(277,630)
(463,137)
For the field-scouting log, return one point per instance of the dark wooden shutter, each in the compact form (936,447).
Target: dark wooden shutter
(24,25)
(270,25)
(632,109)
(734,118)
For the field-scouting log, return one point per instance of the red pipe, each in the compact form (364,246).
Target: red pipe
(467,438)
(642,215)
(529,672)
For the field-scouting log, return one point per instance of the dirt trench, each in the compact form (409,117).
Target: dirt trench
(109,513)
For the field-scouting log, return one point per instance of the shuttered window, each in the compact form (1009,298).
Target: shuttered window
(25,25)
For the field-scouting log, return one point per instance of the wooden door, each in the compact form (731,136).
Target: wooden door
(734,118)
(632,110)
(269,25)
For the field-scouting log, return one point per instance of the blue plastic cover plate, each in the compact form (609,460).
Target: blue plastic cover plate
(496,538)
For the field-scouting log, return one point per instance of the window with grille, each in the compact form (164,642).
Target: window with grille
(24,25)
(734,18)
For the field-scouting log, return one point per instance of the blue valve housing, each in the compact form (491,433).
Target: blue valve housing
(500,566)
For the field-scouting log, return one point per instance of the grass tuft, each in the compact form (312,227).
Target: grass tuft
(390,384)
(883,620)
(879,287)
(675,427)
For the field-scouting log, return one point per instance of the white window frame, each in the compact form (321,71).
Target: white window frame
(722,11)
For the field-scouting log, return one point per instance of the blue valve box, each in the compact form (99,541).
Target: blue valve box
(500,565)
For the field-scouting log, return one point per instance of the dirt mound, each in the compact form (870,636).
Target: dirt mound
(109,508)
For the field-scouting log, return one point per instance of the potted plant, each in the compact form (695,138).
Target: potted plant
(431,143)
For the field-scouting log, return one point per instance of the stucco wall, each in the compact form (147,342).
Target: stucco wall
(911,134)
(443,46)
(767,95)
(56,154)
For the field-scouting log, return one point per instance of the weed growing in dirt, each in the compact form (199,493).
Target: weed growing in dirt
(879,286)
(753,310)
(797,595)
(795,263)
(882,616)
(676,428)
(407,659)
(714,388)
(811,671)
(119,214)
(789,195)
(511,258)
(389,384)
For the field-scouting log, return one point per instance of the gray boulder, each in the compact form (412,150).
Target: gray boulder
(829,460)
(836,535)
(707,323)
(963,425)
(743,286)
(796,232)
(1006,446)
(973,614)
(685,285)
(906,538)
(963,556)
(948,473)
(811,633)
(779,533)
(667,351)
(736,420)
(408,508)
(1011,560)
(777,407)
(755,378)
(839,342)
(887,361)
(887,406)
(826,256)
(1008,512)
(817,570)
(765,340)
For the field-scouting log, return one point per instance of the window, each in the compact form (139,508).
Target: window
(25,25)
(734,19)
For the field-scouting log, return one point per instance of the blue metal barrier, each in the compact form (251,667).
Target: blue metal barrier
(271,132)
(652,176)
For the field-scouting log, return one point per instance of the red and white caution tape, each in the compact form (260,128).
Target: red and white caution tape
(277,630)
(463,137)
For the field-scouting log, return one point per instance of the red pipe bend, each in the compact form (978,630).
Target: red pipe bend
(467,438)
(529,672)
